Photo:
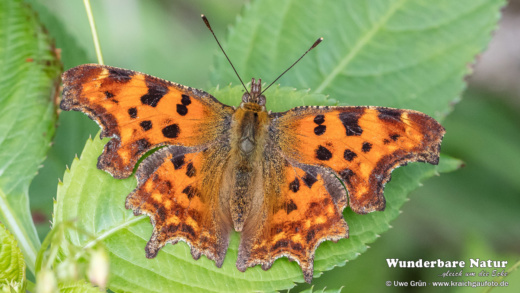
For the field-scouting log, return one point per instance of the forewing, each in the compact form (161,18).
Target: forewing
(361,144)
(141,112)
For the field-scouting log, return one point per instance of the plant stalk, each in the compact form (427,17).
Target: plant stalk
(97,47)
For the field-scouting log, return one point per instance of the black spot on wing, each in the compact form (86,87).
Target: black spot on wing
(120,75)
(349,155)
(320,129)
(319,119)
(132,112)
(291,206)
(190,192)
(350,122)
(295,185)
(177,162)
(182,109)
(185,100)
(309,180)
(190,170)
(395,137)
(109,95)
(171,131)
(146,125)
(389,114)
(366,147)
(323,154)
(156,91)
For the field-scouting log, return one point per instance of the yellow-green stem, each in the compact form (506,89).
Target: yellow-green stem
(94,32)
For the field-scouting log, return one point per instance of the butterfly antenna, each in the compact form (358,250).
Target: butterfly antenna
(211,30)
(318,41)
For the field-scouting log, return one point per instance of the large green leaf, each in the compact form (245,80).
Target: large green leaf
(12,266)
(29,74)
(395,53)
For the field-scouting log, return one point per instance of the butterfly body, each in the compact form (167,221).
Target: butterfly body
(249,130)
(275,177)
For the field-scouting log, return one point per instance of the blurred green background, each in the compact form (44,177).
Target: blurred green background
(473,212)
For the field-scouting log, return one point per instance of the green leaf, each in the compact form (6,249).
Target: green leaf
(12,266)
(29,74)
(402,54)
(70,136)
(72,52)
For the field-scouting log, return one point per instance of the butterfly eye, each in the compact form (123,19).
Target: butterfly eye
(245,98)
(261,100)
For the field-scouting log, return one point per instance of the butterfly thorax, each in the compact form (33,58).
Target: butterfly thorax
(248,133)
(251,117)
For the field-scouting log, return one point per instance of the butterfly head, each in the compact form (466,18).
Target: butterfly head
(254,97)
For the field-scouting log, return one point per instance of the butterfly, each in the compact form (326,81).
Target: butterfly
(278,178)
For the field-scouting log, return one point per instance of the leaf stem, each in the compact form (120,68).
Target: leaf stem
(46,243)
(90,16)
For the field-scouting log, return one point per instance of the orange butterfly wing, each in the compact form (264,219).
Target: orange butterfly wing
(361,144)
(175,187)
(141,112)
(302,207)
